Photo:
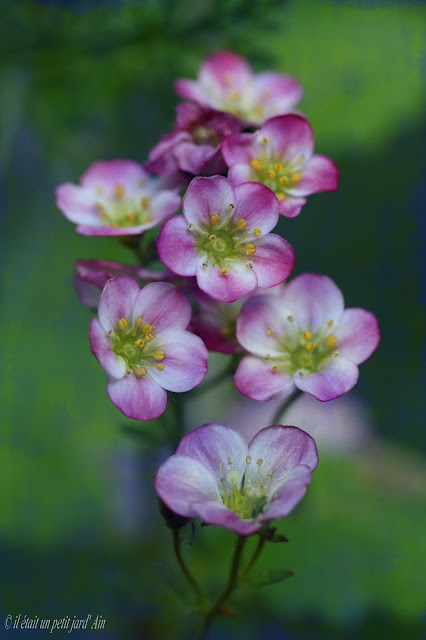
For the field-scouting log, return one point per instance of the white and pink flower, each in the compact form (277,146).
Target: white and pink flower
(214,475)
(140,340)
(223,239)
(281,156)
(116,198)
(226,82)
(305,339)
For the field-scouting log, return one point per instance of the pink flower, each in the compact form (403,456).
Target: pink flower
(215,476)
(92,275)
(223,239)
(303,338)
(227,83)
(280,155)
(115,198)
(194,144)
(140,340)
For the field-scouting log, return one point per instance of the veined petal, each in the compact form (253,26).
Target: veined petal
(259,325)
(273,261)
(291,137)
(312,300)
(78,204)
(185,361)
(138,398)
(338,378)
(100,346)
(117,300)
(238,281)
(319,174)
(256,379)
(176,247)
(162,305)
(293,488)
(258,205)
(206,197)
(357,335)
(106,175)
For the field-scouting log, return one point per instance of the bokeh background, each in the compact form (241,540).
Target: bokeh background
(79,529)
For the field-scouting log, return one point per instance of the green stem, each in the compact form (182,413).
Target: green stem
(256,554)
(288,402)
(177,536)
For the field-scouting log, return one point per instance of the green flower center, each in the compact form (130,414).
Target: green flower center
(134,343)
(205,135)
(124,210)
(248,497)
(275,173)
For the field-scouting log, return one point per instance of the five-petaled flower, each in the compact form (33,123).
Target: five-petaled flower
(223,239)
(117,197)
(280,155)
(226,82)
(214,475)
(140,340)
(303,338)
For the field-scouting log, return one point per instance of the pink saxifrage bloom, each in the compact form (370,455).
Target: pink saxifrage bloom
(226,82)
(140,340)
(280,155)
(303,338)
(214,475)
(117,197)
(194,144)
(223,239)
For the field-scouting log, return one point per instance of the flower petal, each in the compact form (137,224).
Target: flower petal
(273,261)
(100,346)
(312,300)
(164,204)
(185,362)
(109,174)
(162,305)
(259,326)
(117,300)
(258,205)
(191,90)
(277,92)
(206,197)
(176,247)
(291,137)
(288,495)
(256,379)
(239,281)
(338,378)
(357,335)
(240,173)
(192,157)
(319,174)
(225,71)
(238,148)
(77,204)
(213,512)
(138,398)
(291,207)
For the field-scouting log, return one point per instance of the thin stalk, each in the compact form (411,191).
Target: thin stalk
(256,553)
(191,580)
(288,402)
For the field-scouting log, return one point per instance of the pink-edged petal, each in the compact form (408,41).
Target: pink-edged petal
(320,174)
(258,205)
(117,300)
(238,148)
(192,157)
(164,204)
(357,335)
(273,261)
(109,174)
(106,230)
(259,325)
(206,197)
(291,207)
(277,92)
(312,300)
(162,305)
(161,157)
(288,495)
(100,346)
(185,362)
(240,173)
(291,137)
(225,71)
(214,444)
(191,90)
(238,282)
(176,247)
(213,512)
(78,204)
(338,378)
(183,482)
(256,379)
(138,398)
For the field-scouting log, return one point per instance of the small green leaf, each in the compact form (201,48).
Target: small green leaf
(270,533)
(263,578)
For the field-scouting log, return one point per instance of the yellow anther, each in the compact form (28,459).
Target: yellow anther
(241,224)
(100,207)
(215,219)
(119,191)
(265,140)
(290,318)
(295,177)
(123,323)
(160,367)
(256,164)
(280,195)
(212,238)
(224,271)
(310,346)
(148,337)
(159,355)
(250,249)
(145,202)
(307,335)
(248,460)
(257,231)
(330,323)
(233,477)
(283,180)
(259,462)
(140,372)
(269,331)
(147,328)
(278,166)
(230,206)
(271,173)
(249,264)
(128,370)
(131,217)
(139,343)
(138,322)
(275,368)
(330,341)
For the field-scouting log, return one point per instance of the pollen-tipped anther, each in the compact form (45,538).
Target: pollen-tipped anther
(123,323)
(159,355)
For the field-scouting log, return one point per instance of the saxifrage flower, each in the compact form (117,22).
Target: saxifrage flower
(223,239)
(140,341)
(194,144)
(117,197)
(214,475)
(226,82)
(303,338)
(280,155)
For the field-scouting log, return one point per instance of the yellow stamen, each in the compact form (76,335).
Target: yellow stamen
(283,180)
(310,346)
(123,323)
(139,343)
(128,370)
(269,331)
(271,173)
(160,367)
(249,264)
(159,355)
(148,337)
(265,140)
(212,238)
(119,191)
(295,177)
(307,335)
(215,219)
(250,248)
(138,322)
(330,323)
(275,368)
(230,207)
(241,224)
(147,328)
(224,271)
(131,217)
(256,164)
(278,166)
(140,372)
(100,207)
(259,462)
(145,202)
(257,231)
(330,341)
(280,196)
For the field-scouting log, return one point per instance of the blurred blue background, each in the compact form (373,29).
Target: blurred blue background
(79,529)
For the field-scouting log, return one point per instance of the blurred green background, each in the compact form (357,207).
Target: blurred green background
(79,529)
